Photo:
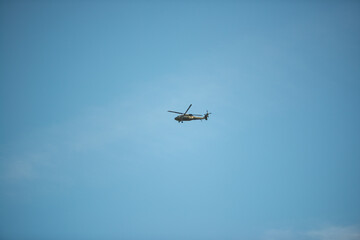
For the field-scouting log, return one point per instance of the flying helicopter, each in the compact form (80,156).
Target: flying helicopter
(189,117)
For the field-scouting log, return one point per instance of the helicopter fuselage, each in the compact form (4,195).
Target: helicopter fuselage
(187,117)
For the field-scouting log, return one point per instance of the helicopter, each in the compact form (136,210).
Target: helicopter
(189,117)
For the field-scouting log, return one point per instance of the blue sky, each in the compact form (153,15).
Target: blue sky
(89,151)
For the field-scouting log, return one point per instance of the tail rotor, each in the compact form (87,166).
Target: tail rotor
(206,116)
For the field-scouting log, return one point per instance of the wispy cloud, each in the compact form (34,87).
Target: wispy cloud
(336,233)
(42,150)
(278,234)
(326,233)
(19,170)
(24,165)
(138,117)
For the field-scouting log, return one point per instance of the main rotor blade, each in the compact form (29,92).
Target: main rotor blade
(188,109)
(175,112)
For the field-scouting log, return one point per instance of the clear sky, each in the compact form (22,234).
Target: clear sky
(89,151)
